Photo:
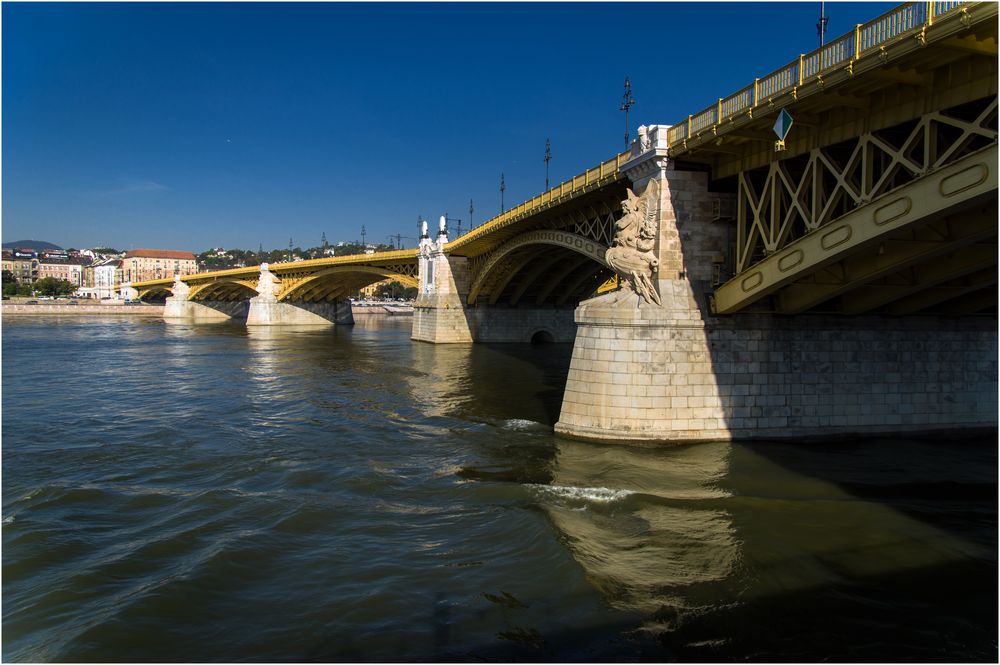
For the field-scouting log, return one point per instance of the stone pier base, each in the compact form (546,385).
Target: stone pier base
(440,319)
(265,312)
(177,309)
(639,373)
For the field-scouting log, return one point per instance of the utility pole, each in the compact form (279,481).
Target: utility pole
(821,26)
(326,245)
(548,157)
(502,188)
(289,255)
(471,210)
(627,103)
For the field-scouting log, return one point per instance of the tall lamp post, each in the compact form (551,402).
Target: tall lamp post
(471,210)
(548,157)
(503,187)
(627,102)
(821,25)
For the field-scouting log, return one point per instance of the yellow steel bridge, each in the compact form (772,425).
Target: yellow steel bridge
(883,198)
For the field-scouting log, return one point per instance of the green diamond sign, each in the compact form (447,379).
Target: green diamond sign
(782,124)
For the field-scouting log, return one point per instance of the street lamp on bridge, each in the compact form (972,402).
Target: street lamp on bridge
(503,186)
(627,102)
(548,157)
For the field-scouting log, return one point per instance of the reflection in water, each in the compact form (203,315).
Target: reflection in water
(643,525)
(699,539)
(441,382)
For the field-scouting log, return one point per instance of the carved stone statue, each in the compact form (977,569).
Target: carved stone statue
(631,252)
(423,229)
(179,289)
(442,225)
(267,286)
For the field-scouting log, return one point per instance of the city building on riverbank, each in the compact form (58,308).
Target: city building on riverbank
(22,263)
(143,264)
(102,279)
(60,265)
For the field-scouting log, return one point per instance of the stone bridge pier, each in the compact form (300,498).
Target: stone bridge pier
(441,314)
(178,307)
(263,309)
(266,310)
(660,366)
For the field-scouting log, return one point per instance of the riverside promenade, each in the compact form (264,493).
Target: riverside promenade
(14,308)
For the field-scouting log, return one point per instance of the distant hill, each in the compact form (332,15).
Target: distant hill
(36,245)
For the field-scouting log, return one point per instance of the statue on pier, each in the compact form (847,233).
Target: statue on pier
(267,286)
(179,289)
(631,252)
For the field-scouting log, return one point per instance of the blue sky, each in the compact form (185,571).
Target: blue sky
(194,125)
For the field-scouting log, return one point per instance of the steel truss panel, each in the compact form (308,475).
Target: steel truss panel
(973,177)
(800,195)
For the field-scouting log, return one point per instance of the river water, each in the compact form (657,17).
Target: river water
(218,493)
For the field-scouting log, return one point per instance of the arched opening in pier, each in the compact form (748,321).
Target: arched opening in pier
(542,337)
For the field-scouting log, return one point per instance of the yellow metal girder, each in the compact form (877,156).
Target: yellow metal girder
(204,290)
(542,264)
(937,295)
(932,195)
(379,272)
(571,266)
(965,262)
(577,243)
(529,258)
(890,256)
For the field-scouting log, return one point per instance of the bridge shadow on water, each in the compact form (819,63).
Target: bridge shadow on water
(860,548)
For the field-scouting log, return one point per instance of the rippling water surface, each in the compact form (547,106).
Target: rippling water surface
(213,493)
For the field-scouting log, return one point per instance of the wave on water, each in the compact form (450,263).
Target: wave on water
(588,494)
(521,425)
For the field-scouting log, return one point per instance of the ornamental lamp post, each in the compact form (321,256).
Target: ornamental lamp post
(627,102)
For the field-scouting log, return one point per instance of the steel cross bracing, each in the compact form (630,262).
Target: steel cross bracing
(793,197)
(902,210)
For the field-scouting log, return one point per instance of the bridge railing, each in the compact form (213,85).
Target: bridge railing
(574,185)
(860,41)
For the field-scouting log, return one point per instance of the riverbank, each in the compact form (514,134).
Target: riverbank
(55,307)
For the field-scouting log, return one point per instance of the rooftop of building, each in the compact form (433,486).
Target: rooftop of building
(158,254)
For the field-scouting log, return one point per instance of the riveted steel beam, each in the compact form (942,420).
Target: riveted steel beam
(888,257)
(967,261)
(937,295)
(966,180)
(570,267)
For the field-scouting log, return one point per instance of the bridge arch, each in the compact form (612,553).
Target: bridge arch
(338,282)
(226,289)
(505,261)
(154,293)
